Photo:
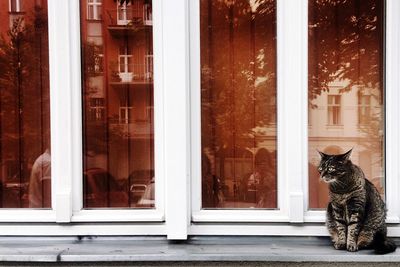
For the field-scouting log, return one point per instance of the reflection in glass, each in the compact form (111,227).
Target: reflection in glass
(117,54)
(238,103)
(24,105)
(346,107)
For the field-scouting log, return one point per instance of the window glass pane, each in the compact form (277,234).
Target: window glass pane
(238,103)
(24,107)
(346,93)
(118,137)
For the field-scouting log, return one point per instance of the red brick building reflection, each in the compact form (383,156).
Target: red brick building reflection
(117,53)
(24,100)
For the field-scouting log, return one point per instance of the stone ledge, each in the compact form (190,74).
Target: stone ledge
(196,249)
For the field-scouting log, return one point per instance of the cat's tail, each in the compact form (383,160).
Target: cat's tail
(382,244)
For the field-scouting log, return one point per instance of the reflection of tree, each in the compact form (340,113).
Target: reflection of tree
(238,88)
(346,48)
(24,90)
(345,41)
(93,59)
(238,71)
(95,129)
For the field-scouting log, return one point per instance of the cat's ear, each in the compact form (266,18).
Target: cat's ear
(323,155)
(346,155)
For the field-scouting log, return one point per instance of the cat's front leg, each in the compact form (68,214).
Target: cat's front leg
(336,226)
(340,242)
(353,230)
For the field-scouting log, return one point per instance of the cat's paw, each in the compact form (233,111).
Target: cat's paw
(339,245)
(352,247)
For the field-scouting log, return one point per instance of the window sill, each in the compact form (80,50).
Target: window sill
(156,249)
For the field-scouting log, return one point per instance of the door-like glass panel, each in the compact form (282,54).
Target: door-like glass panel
(117,95)
(238,103)
(345,88)
(24,106)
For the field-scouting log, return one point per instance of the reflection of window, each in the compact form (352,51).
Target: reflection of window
(15,6)
(98,63)
(149,113)
(125,60)
(125,66)
(125,116)
(334,110)
(147,14)
(96,109)
(94,59)
(148,67)
(94,9)
(364,108)
(124,13)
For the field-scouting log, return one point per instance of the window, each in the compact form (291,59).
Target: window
(25,152)
(238,139)
(94,11)
(345,40)
(199,117)
(334,110)
(118,143)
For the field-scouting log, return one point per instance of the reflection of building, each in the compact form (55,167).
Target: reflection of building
(339,121)
(118,64)
(24,95)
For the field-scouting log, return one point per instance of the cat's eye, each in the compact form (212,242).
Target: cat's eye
(320,169)
(330,169)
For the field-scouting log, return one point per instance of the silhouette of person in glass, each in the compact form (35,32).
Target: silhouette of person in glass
(40,182)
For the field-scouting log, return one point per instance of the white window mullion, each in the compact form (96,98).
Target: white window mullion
(64,109)
(392,83)
(292,104)
(176,109)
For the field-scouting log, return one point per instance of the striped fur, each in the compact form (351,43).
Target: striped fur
(356,213)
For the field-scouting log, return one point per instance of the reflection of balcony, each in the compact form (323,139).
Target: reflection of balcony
(132,73)
(126,21)
(136,129)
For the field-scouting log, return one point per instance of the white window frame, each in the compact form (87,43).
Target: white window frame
(291,124)
(126,73)
(155,215)
(177,134)
(66,143)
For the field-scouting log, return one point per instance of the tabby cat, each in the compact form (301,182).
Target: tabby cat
(356,213)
